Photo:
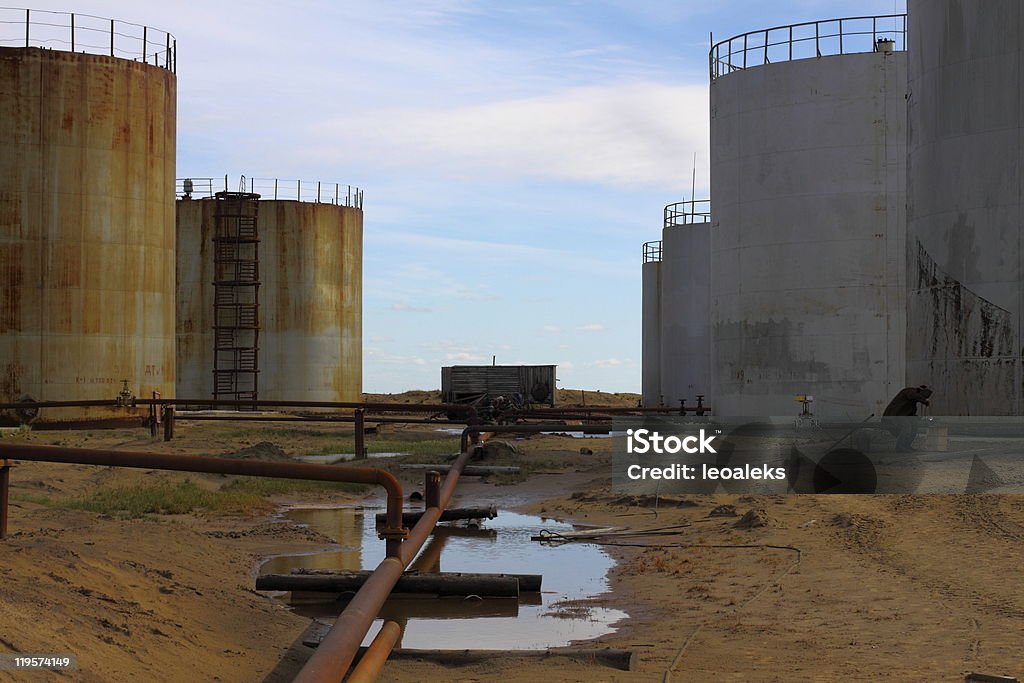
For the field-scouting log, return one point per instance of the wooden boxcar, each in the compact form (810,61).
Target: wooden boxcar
(468,383)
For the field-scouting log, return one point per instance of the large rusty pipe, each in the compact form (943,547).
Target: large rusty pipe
(338,648)
(190,463)
(369,667)
(262,403)
(370,406)
(422,529)
(243,417)
(58,404)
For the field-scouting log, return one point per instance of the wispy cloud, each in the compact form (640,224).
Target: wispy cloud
(462,357)
(623,134)
(591,327)
(408,308)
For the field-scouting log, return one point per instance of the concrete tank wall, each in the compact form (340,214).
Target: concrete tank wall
(650,358)
(964,178)
(685,313)
(807,186)
(87,250)
(310,300)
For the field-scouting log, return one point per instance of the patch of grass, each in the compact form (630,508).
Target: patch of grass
(32,498)
(431,448)
(167,498)
(265,486)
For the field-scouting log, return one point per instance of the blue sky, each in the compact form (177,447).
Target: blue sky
(514,155)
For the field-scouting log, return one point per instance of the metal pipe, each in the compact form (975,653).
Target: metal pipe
(422,529)
(369,667)
(246,417)
(378,406)
(168,423)
(365,405)
(190,463)
(360,435)
(371,406)
(339,646)
(432,489)
(58,404)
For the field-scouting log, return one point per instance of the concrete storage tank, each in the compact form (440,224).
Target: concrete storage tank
(807,181)
(310,290)
(650,349)
(87,156)
(686,303)
(964,168)
(676,308)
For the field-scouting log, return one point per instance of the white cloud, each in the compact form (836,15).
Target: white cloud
(408,308)
(591,327)
(621,134)
(376,356)
(463,357)
(607,363)
(553,329)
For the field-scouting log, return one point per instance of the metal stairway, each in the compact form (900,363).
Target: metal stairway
(236,283)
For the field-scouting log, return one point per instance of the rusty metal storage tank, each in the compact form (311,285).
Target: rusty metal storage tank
(964,169)
(309,296)
(87,160)
(676,308)
(808,228)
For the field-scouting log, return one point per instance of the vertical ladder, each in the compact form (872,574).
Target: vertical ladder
(236,285)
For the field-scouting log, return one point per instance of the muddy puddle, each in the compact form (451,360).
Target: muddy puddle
(558,615)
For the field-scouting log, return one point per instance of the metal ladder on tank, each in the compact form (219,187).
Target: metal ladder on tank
(236,283)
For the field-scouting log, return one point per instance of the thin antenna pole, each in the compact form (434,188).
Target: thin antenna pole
(693,184)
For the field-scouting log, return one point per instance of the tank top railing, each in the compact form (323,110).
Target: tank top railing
(849,35)
(89,34)
(688,212)
(312,191)
(652,251)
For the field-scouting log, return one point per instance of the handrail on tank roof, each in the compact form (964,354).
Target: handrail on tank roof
(847,35)
(87,33)
(652,251)
(312,191)
(688,213)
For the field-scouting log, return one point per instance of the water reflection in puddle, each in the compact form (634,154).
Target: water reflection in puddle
(555,617)
(334,458)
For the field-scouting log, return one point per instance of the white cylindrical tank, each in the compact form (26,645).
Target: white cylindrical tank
(964,169)
(650,359)
(87,156)
(685,304)
(807,183)
(310,296)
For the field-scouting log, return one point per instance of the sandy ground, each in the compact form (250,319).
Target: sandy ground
(908,588)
